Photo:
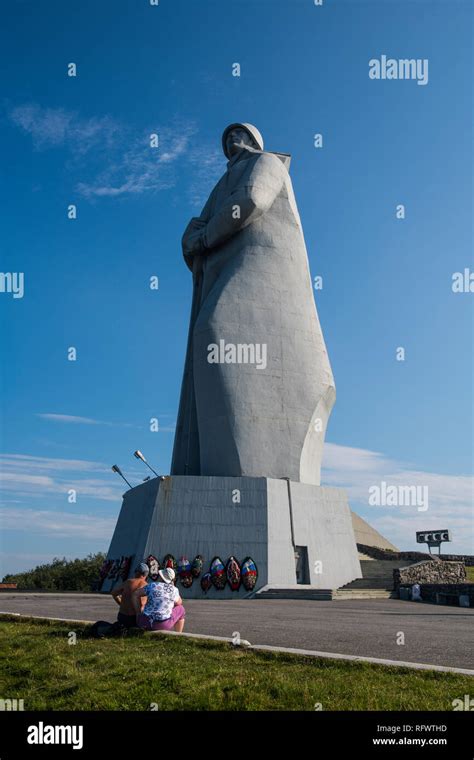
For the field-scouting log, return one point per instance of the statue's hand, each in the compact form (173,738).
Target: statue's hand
(193,244)
(193,241)
(196,223)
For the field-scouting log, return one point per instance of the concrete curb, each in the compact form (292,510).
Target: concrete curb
(43,617)
(283,650)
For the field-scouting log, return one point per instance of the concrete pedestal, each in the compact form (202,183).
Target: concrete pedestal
(263,518)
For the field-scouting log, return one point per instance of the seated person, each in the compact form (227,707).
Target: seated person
(164,607)
(123,595)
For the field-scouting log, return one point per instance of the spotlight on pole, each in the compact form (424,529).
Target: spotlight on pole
(117,469)
(138,454)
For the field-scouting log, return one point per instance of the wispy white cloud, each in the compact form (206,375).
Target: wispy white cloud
(115,160)
(450,496)
(138,168)
(37,486)
(60,524)
(70,418)
(359,469)
(37,477)
(74,420)
(120,160)
(54,127)
(28,462)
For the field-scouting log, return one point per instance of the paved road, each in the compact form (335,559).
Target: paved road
(435,635)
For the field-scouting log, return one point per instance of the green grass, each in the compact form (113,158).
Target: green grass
(470,573)
(38,664)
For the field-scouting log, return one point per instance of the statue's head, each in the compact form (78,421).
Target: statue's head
(238,136)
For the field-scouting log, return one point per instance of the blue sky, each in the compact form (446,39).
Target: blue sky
(387,282)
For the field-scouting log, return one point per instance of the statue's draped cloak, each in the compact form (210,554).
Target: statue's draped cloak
(252,286)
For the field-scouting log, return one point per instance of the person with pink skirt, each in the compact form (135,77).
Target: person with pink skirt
(164,609)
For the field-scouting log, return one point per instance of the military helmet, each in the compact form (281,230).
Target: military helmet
(249,128)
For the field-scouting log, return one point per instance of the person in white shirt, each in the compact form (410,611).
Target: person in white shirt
(164,610)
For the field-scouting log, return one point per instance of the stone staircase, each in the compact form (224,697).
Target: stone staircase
(376,575)
(294,592)
(323,595)
(376,583)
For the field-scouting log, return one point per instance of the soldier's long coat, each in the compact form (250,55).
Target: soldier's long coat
(252,286)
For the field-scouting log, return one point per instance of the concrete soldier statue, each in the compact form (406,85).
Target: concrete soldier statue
(257,389)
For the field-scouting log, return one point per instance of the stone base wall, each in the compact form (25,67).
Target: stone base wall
(187,516)
(432,571)
(430,591)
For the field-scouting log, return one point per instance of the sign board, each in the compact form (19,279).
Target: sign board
(432,538)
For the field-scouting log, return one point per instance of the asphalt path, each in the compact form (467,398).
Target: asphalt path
(432,634)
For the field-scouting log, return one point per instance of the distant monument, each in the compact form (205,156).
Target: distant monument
(257,392)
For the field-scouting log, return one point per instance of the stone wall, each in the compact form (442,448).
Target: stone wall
(378,553)
(431,571)
(468,559)
(430,591)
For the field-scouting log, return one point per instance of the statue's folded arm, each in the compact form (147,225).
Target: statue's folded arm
(247,202)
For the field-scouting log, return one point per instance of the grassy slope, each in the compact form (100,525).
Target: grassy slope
(39,665)
(470,573)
